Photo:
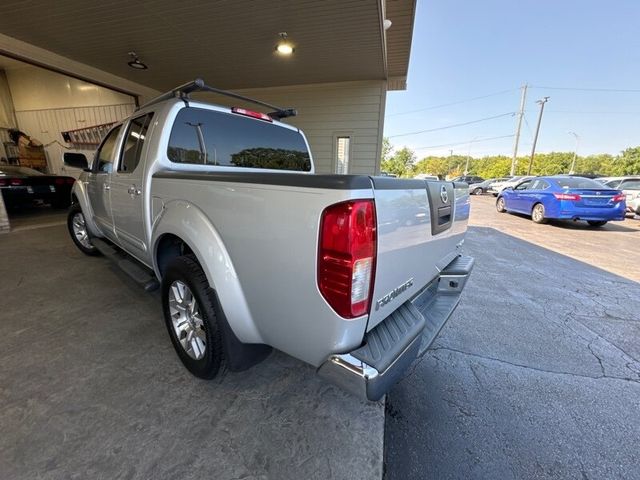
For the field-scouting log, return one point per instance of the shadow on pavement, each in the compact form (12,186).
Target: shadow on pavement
(536,375)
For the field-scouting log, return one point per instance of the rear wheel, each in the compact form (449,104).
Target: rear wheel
(537,214)
(477,191)
(78,230)
(500,205)
(596,223)
(189,313)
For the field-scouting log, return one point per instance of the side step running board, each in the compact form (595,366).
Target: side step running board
(132,268)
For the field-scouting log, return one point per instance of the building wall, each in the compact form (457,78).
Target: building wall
(325,111)
(47,103)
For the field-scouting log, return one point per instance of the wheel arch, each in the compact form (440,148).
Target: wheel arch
(183,228)
(80,196)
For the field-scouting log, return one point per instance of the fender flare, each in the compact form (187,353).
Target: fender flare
(79,190)
(187,222)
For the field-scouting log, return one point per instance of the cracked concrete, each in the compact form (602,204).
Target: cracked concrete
(537,374)
(90,388)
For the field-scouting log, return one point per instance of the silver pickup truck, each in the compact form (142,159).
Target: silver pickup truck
(220,208)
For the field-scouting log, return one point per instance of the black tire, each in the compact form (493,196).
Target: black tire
(596,223)
(187,270)
(538,213)
(477,191)
(500,206)
(86,249)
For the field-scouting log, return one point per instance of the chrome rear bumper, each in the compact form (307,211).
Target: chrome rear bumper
(390,348)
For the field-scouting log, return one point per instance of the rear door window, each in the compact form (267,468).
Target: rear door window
(209,137)
(630,185)
(133,143)
(106,154)
(539,184)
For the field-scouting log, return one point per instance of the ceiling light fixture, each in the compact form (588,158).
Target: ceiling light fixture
(284,47)
(136,62)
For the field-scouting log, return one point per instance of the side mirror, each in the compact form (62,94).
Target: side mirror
(76,160)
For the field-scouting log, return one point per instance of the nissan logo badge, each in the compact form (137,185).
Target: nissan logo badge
(444,196)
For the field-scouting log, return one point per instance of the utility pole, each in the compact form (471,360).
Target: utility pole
(466,168)
(575,152)
(449,163)
(535,137)
(514,159)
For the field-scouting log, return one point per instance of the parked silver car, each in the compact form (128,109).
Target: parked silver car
(221,209)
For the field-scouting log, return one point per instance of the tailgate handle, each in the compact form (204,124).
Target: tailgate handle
(444,215)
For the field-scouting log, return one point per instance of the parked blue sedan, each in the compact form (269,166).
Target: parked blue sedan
(563,197)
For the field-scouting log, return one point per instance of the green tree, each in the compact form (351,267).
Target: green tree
(400,163)
(629,161)
(601,164)
(432,166)
(387,150)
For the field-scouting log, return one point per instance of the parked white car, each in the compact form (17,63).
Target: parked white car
(511,182)
(424,176)
(630,186)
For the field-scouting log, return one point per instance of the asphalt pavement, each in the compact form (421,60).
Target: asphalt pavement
(537,373)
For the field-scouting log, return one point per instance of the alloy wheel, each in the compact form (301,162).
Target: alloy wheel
(187,320)
(80,230)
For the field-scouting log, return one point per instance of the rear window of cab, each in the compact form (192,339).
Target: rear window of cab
(208,137)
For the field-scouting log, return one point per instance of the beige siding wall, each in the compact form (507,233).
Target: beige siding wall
(47,103)
(328,110)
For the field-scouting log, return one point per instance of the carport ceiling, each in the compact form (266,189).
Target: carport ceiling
(229,43)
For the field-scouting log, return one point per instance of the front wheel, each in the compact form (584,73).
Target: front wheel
(477,191)
(78,231)
(537,214)
(500,205)
(189,313)
(596,223)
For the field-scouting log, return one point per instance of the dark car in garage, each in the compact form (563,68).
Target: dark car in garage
(22,186)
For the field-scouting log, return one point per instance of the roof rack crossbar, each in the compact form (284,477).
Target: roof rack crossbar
(198,85)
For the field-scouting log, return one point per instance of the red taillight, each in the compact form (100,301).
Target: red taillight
(618,198)
(59,181)
(252,114)
(70,181)
(16,181)
(567,196)
(3,182)
(347,256)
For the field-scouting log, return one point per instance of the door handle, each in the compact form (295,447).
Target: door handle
(133,190)
(106,186)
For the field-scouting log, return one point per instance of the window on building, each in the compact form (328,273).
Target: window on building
(342,154)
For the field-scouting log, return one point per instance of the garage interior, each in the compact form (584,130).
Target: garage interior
(104,396)
(53,83)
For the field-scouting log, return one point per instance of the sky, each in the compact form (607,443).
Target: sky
(464,49)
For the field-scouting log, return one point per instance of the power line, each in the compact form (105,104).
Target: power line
(580,89)
(454,125)
(442,105)
(464,143)
(592,112)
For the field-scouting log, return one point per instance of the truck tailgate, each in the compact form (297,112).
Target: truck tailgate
(421,226)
